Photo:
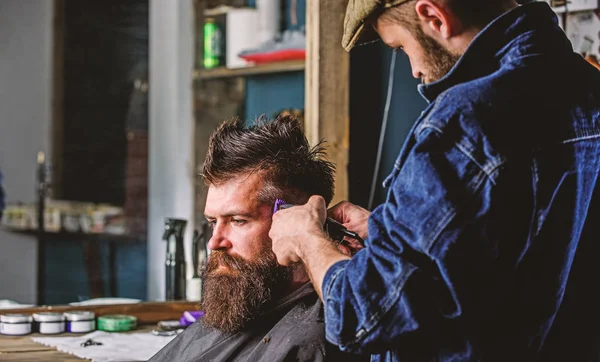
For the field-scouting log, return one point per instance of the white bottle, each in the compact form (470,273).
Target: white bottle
(269,19)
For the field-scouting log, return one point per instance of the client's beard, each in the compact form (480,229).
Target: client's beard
(233,297)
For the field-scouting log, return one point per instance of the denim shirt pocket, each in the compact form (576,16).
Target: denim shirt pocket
(405,150)
(387,182)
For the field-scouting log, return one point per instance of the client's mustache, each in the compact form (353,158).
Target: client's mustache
(221,257)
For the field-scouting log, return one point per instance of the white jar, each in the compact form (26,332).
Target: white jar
(15,324)
(269,19)
(49,322)
(80,321)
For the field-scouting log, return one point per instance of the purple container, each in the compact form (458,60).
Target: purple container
(190,317)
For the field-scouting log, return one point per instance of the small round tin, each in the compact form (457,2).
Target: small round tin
(80,321)
(49,322)
(15,324)
(117,323)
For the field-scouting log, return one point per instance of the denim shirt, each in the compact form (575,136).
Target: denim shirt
(488,245)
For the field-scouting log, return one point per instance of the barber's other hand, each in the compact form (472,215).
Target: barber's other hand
(297,225)
(353,217)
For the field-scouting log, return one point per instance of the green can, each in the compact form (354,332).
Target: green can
(213,44)
(117,323)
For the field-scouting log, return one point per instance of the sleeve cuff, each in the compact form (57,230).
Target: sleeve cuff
(330,278)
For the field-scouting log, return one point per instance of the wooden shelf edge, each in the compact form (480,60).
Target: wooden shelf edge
(145,312)
(269,68)
(66,235)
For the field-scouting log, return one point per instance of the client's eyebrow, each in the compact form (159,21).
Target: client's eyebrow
(232,213)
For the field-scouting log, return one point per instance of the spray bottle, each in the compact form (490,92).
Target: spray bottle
(175,259)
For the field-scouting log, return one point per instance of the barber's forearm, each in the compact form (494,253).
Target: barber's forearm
(319,254)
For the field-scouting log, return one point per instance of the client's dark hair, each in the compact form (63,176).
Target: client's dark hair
(279,150)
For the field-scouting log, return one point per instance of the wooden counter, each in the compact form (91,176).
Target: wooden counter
(23,348)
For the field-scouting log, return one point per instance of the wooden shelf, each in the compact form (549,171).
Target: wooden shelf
(68,236)
(268,68)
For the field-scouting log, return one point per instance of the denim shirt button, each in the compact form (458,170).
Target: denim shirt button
(360,333)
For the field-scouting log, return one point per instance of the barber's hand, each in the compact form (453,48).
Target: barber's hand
(349,249)
(297,225)
(353,217)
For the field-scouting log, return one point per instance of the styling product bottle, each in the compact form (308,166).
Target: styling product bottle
(175,259)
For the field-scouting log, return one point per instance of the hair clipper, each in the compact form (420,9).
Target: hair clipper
(334,229)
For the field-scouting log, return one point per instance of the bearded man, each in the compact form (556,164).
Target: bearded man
(256,309)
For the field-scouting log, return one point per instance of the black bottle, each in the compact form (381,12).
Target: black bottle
(175,259)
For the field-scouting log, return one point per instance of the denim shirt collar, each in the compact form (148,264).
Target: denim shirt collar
(500,41)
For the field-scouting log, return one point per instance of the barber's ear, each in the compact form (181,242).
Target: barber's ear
(437,17)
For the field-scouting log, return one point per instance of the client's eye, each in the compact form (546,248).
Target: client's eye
(211,223)
(238,222)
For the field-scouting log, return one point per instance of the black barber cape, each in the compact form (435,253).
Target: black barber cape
(293,331)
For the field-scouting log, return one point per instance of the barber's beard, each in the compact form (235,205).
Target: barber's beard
(234,296)
(439,60)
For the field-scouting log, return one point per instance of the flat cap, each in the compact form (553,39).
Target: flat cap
(356,29)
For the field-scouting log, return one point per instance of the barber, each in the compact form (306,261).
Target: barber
(487,245)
